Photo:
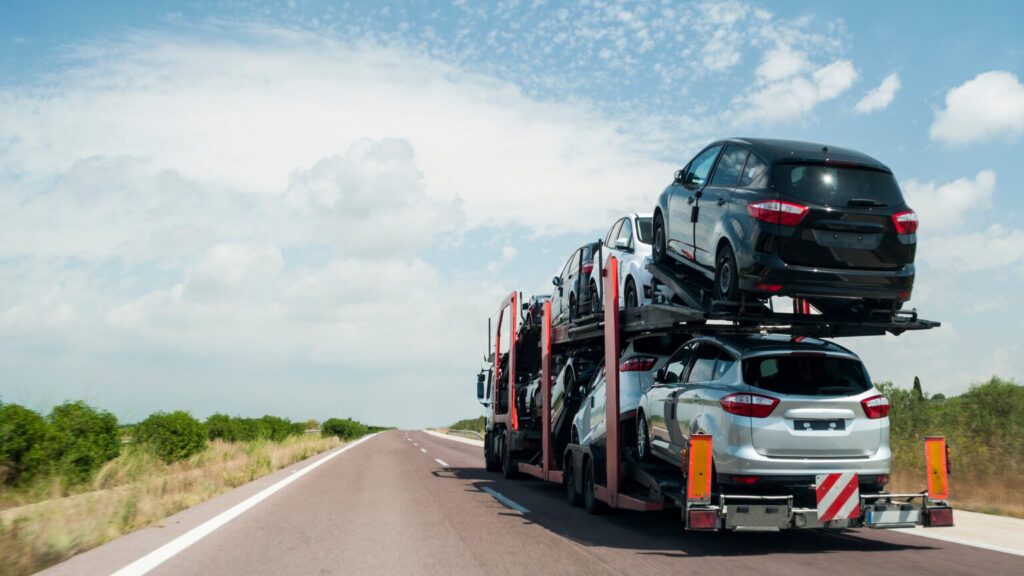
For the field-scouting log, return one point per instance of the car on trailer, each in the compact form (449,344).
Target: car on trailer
(779,409)
(757,218)
(571,297)
(628,240)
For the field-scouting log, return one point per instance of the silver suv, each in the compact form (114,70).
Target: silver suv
(780,409)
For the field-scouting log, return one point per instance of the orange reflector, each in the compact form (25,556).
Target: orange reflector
(940,516)
(935,455)
(698,479)
(702,520)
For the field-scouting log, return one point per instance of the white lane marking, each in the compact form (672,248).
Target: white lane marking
(455,438)
(441,462)
(505,500)
(167,551)
(415,444)
(959,541)
(422,450)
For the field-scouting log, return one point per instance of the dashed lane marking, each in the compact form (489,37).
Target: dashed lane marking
(441,462)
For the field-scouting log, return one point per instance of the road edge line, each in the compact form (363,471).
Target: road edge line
(504,500)
(172,548)
(961,541)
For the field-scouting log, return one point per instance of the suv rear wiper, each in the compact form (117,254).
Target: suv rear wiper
(866,202)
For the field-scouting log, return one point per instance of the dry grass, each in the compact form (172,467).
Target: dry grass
(131,492)
(991,494)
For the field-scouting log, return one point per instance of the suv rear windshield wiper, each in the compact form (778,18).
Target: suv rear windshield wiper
(866,202)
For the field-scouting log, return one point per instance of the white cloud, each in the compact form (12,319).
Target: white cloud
(782,62)
(989,106)
(942,207)
(794,97)
(879,98)
(996,248)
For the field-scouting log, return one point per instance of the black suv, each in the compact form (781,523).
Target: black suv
(778,217)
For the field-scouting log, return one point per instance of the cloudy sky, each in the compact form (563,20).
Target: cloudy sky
(310,209)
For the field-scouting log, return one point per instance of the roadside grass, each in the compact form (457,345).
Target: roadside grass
(990,494)
(48,522)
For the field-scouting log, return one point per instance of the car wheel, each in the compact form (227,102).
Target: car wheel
(643,440)
(658,252)
(632,300)
(490,461)
(573,312)
(595,298)
(727,278)
(508,466)
(572,495)
(590,501)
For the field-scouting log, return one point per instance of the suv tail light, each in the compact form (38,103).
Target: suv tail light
(588,266)
(637,364)
(753,405)
(777,212)
(876,407)
(906,222)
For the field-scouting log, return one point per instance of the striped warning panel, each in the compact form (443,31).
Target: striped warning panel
(838,496)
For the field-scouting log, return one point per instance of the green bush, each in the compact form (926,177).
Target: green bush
(220,426)
(83,439)
(23,438)
(475,424)
(173,436)
(346,429)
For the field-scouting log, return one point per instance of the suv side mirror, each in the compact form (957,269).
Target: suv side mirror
(557,281)
(678,179)
(480,386)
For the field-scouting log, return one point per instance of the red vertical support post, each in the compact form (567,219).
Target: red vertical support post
(513,315)
(545,387)
(611,369)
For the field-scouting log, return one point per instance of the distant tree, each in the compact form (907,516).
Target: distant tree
(312,424)
(23,435)
(173,436)
(221,426)
(918,393)
(84,439)
(938,397)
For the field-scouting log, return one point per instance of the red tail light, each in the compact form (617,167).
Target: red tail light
(876,407)
(745,479)
(777,212)
(588,267)
(769,287)
(753,405)
(906,222)
(637,364)
(940,516)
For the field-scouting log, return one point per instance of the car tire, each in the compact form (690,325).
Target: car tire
(595,298)
(572,495)
(727,278)
(508,465)
(590,501)
(658,252)
(632,300)
(643,439)
(573,311)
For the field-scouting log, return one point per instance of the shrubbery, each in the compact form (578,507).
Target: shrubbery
(23,438)
(83,439)
(249,429)
(174,436)
(345,429)
(475,424)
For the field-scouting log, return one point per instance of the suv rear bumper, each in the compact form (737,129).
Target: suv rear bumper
(800,281)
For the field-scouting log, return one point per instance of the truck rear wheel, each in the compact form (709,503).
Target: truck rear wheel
(508,465)
(590,501)
(491,462)
(572,495)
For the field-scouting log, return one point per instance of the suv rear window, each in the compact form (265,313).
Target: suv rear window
(837,185)
(806,375)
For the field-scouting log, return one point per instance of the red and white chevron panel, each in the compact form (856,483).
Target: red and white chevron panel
(838,496)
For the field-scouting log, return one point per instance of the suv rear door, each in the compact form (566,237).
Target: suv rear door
(711,204)
(819,413)
(849,220)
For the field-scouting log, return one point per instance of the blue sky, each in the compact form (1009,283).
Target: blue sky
(310,209)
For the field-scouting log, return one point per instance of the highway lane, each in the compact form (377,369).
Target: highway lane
(412,503)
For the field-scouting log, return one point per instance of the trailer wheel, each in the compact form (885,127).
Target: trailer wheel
(590,501)
(490,459)
(572,495)
(508,465)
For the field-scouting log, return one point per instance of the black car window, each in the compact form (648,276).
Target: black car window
(807,375)
(703,369)
(676,366)
(754,173)
(626,233)
(724,363)
(644,230)
(832,185)
(727,173)
(574,262)
(609,240)
(700,167)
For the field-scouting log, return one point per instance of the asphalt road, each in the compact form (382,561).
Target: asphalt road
(412,503)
